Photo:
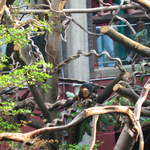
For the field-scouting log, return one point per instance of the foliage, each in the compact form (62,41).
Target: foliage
(144,120)
(19,36)
(7,126)
(118,100)
(30,74)
(3,61)
(143,37)
(17,2)
(74,147)
(7,119)
(113,119)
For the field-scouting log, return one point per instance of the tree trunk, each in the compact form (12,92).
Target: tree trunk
(125,137)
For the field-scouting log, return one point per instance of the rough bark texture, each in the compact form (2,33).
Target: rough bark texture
(53,47)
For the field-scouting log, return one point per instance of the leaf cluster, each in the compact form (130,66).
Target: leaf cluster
(30,74)
(8,114)
(19,36)
(74,147)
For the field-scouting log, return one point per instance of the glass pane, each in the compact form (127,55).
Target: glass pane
(117,49)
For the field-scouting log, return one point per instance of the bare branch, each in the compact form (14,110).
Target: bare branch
(141,99)
(94,126)
(91,52)
(86,10)
(128,93)
(116,12)
(27,137)
(125,136)
(144,3)
(81,27)
(138,107)
(127,23)
(137,47)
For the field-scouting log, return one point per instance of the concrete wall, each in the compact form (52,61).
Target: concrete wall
(77,39)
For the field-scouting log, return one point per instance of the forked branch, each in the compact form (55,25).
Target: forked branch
(28,137)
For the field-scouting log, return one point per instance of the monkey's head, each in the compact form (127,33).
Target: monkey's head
(86,90)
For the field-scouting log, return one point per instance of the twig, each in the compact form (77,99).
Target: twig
(91,52)
(117,11)
(127,23)
(81,27)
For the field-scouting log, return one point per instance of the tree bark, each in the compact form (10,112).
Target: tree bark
(2,8)
(145,3)
(53,48)
(28,137)
(129,94)
(137,47)
(127,139)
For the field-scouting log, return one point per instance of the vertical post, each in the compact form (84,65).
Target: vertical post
(78,40)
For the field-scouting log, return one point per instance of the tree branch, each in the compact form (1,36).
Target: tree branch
(2,8)
(94,126)
(137,47)
(126,141)
(82,10)
(128,93)
(145,3)
(141,99)
(27,137)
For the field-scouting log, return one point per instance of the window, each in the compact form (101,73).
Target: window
(116,49)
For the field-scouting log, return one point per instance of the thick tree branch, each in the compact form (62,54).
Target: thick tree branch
(138,107)
(39,101)
(141,99)
(2,8)
(128,93)
(145,3)
(126,141)
(27,137)
(137,47)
